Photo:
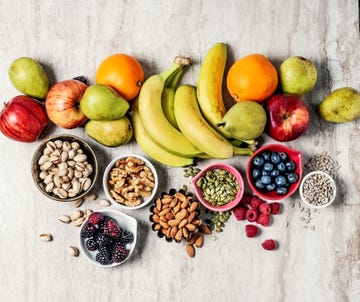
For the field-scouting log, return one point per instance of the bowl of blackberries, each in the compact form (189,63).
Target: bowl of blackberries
(108,237)
(274,171)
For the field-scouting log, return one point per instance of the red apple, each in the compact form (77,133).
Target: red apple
(22,119)
(62,104)
(288,117)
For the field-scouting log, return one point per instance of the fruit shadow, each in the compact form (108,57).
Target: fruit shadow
(142,235)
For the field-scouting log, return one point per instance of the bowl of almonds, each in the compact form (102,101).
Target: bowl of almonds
(64,167)
(130,181)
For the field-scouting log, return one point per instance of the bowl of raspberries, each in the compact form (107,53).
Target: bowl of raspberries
(108,237)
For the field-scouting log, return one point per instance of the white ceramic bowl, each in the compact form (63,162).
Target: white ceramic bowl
(107,187)
(306,201)
(125,222)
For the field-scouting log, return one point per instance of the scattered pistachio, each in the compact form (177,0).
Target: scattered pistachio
(90,196)
(79,221)
(104,203)
(46,237)
(77,214)
(64,218)
(74,251)
(78,202)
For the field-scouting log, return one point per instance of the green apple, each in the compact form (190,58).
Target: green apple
(29,77)
(245,120)
(102,103)
(297,75)
(341,106)
(110,133)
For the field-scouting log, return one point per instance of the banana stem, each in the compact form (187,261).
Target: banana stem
(179,63)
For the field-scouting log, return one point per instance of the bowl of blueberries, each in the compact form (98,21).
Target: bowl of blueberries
(274,171)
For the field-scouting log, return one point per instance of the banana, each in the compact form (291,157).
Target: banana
(151,148)
(167,98)
(153,117)
(195,127)
(209,86)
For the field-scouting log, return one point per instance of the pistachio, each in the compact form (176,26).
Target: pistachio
(74,251)
(87,212)
(64,218)
(77,202)
(79,221)
(104,203)
(90,196)
(77,214)
(80,158)
(46,237)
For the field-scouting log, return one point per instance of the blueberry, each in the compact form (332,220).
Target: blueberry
(264,172)
(281,190)
(271,187)
(283,156)
(266,156)
(275,158)
(280,181)
(292,178)
(268,167)
(281,167)
(275,173)
(256,173)
(258,161)
(265,179)
(259,185)
(290,166)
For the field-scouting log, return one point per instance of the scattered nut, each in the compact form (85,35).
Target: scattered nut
(77,214)
(190,250)
(87,212)
(104,203)
(74,251)
(90,196)
(46,237)
(199,241)
(78,202)
(79,221)
(64,218)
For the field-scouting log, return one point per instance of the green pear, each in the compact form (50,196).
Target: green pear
(297,75)
(29,77)
(340,106)
(110,133)
(102,103)
(245,120)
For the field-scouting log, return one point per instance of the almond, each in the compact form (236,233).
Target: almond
(178,235)
(185,233)
(173,231)
(193,206)
(164,224)
(157,227)
(190,250)
(155,218)
(180,196)
(164,212)
(190,227)
(183,223)
(173,222)
(158,204)
(204,229)
(192,239)
(169,216)
(181,215)
(184,204)
(191,216)
(176,209)
(199,241)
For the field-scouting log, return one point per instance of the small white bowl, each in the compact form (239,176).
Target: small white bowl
(125,222)
(306,201)
(146,200)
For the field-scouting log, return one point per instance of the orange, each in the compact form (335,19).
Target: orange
(252,77)
(122,72)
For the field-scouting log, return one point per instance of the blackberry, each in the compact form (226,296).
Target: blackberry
(81,79)
(96,218)
(87,231)
(119,254)
(126,237)
(103,241)
(91,244)
(111,229)
(104,256)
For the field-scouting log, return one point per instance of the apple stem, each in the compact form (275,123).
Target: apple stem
(222,124)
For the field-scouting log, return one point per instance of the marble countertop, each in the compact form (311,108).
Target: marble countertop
(70,38)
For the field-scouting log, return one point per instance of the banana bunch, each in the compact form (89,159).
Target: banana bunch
(174,124)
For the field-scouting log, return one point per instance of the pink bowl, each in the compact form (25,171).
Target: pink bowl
(293,154)
(228,206)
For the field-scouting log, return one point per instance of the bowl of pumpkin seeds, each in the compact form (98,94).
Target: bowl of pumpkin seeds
(219,187)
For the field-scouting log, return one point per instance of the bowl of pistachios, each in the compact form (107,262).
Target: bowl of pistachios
(64,167)
(219,187)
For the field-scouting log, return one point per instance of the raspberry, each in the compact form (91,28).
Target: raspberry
(263,219)
(269,245)
(265,208)
(245,200)
(251,230)
(275,208)
(251,215)
(96,218)
(239,212)
(87,231)
(111,229)
(119,254)
(255,202)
